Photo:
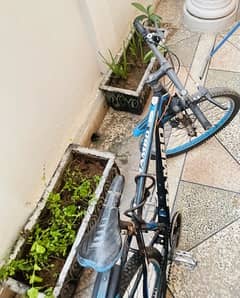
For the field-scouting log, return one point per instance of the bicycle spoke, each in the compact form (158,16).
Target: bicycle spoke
(177,135)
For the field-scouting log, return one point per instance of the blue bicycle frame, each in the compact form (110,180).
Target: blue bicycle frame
(107,282)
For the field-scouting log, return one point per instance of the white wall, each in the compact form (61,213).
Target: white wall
(49,71)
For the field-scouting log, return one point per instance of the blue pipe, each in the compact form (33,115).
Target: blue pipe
(225,38)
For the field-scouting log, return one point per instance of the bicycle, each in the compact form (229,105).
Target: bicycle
(134,269)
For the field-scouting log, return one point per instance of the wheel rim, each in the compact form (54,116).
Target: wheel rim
(177,139)
(175,230)
(135,289)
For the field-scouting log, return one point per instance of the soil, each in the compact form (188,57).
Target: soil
(136,68)
(88,167)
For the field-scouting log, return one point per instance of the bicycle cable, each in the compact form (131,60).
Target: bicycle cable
(131,211)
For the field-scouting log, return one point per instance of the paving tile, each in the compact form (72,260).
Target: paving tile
(220,78)
(183,74)
(128,153)
(217,274)
(175,166)
(116,128)
(238,14)
(228,56)
(129,189)
(205,210)
(229,136)
(184,43)
(129,193)
(210,164)
(169,11)
(234,39)
(205,44)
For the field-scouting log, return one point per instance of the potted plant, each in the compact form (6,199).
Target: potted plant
(43,262)
(150,18)
(124,84)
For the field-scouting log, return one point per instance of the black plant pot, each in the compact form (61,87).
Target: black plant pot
(122,99)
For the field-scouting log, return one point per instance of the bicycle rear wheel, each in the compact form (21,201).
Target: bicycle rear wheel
(176,136)
(131,284)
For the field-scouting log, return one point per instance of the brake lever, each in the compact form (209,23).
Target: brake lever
(154,38)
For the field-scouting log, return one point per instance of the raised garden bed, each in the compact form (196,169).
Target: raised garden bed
(44,257)
(128,94)
(131,93)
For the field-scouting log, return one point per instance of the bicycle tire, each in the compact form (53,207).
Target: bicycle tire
(134,264)
(234,99)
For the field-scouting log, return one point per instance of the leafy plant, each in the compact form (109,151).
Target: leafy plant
(148,14)
(52,241)
(147,57)
(119,68)
(136,46)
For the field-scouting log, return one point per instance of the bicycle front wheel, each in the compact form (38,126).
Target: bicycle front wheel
(131,284)
(219,113)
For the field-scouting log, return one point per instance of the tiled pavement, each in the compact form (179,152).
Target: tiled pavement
(204,183)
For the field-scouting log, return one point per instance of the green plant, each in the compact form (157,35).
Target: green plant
(119,68)
(147,57)
(52,241)
(136,46)
(148,14)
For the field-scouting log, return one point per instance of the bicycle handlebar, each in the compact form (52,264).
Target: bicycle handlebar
(139,27)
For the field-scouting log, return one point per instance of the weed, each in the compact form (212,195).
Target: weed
(54,240)
(136,47)
(119,68)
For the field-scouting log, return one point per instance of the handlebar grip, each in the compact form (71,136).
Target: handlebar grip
(139,27)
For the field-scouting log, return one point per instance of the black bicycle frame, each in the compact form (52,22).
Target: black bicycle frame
(108,282)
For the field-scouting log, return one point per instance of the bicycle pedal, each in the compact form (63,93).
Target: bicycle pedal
(185,258)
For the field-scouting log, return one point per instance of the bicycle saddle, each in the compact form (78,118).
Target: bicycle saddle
(100,248)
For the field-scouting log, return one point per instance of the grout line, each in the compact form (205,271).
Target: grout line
(185,157)
(209,186)
(226,149)
(232,44)
(181,40)
(223,70)
(208,67)
(188,69)
(186,81)
(213,234)
(206,43)
(178,185)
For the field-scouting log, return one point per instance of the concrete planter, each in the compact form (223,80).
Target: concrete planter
(121,99)
(69,276)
